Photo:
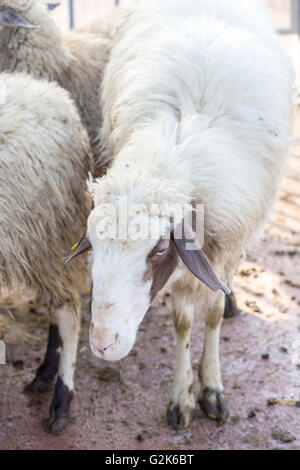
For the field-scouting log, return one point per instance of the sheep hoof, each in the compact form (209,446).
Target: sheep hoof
(214,405)
(59,409)
(231,309)
(56,424)
(39,385)
(179,419)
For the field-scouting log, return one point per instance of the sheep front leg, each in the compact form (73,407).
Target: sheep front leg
(212,399)
(68,321)
(182,403)
(46,373)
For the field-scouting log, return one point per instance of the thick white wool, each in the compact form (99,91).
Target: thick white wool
(74,60)
(44,159)
(197,101)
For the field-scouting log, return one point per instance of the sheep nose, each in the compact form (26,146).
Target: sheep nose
(103,350)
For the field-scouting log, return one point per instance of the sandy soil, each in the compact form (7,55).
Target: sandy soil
(124,407)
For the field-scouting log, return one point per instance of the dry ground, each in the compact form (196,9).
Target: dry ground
(124,407)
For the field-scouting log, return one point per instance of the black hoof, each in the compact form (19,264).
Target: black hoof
(214,405)
(179,419)
(59,409)
(56,424)
(231,309)
(39,385)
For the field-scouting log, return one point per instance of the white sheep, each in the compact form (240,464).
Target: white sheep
(31,42)
(197,101)
(44,159)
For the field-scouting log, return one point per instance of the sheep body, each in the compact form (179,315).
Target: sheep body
(197,104)
(44,159)
(208,104)
(74,60)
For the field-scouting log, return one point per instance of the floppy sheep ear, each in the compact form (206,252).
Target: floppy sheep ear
(196,261)
(52,6)
(10,18)
(81,247)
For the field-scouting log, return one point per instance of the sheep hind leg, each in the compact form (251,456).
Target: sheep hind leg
(46,373)
(68,321)
(212,399)
(181,407)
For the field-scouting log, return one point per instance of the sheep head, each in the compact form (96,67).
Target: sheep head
(12,14)
(130,269)
(17,13)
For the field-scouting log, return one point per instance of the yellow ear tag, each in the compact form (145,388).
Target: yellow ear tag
(74,247)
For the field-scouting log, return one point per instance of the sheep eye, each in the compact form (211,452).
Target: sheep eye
(160,249)
(161,252)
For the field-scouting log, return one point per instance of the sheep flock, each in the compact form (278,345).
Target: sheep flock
(165,105)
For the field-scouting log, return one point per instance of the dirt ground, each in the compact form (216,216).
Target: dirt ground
(124,407)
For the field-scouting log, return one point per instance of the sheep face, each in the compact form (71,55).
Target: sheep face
(126,275)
